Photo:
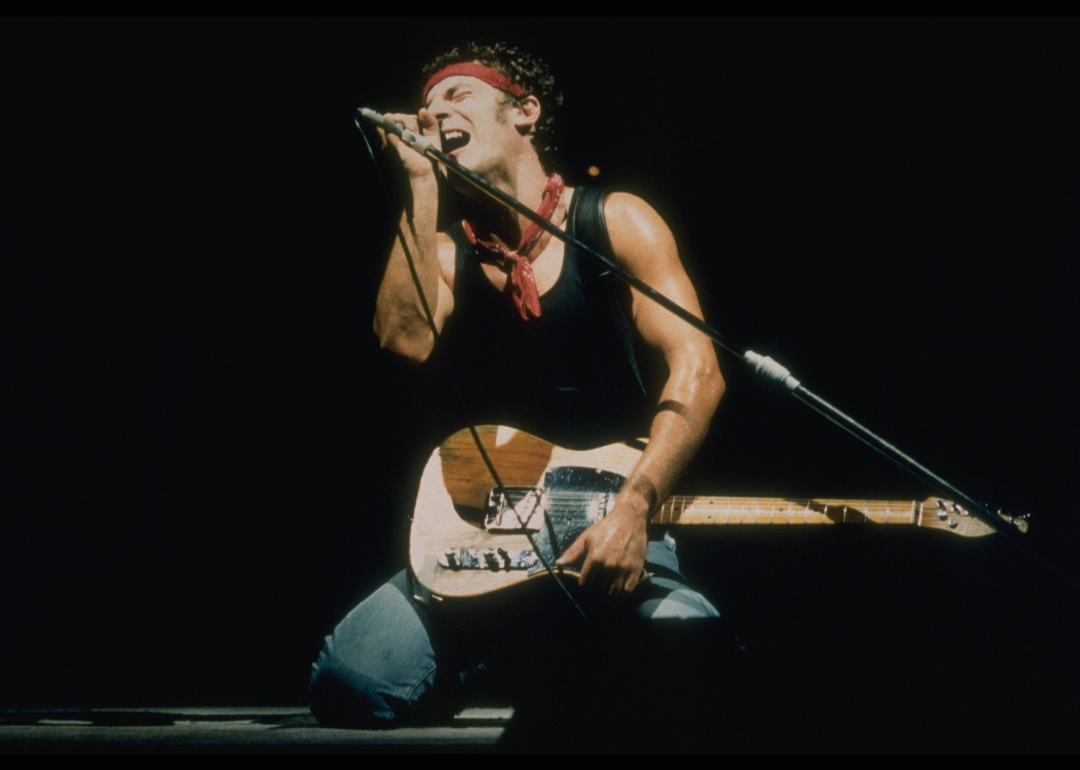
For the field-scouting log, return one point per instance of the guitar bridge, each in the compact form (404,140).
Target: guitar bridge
(521,509)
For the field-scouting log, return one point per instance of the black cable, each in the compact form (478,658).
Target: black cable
(456,390)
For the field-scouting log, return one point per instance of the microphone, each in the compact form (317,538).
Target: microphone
(419,143)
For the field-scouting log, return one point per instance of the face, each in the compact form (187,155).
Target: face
(476,124)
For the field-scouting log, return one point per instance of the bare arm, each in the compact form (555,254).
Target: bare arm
(614,548)
(400,321)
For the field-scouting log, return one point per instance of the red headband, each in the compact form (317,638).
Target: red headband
(475,70)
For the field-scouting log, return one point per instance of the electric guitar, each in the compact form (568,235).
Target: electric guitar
(467,539)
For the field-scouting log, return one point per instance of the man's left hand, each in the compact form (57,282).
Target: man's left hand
(614,551)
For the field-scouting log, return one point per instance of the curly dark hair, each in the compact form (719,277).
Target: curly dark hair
(530,73)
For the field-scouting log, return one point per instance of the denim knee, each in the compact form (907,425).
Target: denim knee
(341,697)
(376,664)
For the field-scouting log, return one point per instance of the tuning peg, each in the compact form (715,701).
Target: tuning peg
(1020,522)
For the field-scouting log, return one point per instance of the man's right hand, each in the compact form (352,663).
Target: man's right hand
(400,320)
(416,165)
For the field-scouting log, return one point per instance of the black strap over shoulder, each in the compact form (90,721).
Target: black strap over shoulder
(587,223)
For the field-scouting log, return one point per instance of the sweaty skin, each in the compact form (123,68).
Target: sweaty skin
(500,149)
(614,548)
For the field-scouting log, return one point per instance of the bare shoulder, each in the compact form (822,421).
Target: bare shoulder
(640,238)
(644,245)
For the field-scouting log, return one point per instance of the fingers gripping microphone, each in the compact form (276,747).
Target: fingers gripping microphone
(419,143)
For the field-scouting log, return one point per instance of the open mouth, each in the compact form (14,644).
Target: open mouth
(454,140)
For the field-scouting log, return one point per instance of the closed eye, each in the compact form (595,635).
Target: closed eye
(453,94)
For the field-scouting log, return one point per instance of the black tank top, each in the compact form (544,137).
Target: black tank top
(570,376)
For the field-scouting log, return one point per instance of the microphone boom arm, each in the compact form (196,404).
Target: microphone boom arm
(762,365)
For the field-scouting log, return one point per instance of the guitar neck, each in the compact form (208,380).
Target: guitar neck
(933,513)
(682,509)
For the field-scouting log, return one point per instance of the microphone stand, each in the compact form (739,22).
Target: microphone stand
(765,366)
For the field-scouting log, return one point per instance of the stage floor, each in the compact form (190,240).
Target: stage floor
(219,729)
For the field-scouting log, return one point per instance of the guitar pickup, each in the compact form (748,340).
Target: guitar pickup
(523,511)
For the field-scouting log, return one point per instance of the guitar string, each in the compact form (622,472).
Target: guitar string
(430,317)
(872,511)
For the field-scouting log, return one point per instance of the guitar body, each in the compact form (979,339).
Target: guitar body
(455,489)
(468,539)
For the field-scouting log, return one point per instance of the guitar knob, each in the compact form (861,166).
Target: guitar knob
(505,558)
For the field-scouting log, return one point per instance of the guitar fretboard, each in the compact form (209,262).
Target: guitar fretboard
(933,513)
(682,509)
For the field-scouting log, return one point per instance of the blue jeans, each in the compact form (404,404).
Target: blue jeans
(392,659)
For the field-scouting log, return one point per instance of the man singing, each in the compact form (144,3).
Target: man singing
(536,336)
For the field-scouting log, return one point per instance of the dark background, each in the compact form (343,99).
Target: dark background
(207,460)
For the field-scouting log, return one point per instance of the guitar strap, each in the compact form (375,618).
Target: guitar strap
(586,221)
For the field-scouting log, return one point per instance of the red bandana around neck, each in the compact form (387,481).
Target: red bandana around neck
(520,280)
(475,70)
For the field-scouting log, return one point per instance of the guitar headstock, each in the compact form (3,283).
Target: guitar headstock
(939,513)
